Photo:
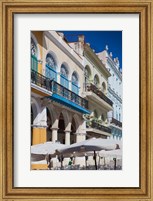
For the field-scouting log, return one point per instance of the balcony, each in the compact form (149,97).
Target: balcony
(92,92)
(41,81)
(60,94)
(97,128)
(116,122)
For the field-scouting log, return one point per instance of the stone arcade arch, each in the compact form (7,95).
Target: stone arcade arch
(61,129)
(73,132)
(35,110)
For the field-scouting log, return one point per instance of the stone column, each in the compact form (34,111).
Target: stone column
(80,137)
(67,137)
(54,134)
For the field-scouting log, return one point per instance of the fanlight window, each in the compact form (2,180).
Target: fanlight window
(74,79)
(33,48)
(64,71)
(50,61)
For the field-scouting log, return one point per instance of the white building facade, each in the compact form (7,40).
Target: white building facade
(95,90)
(114,92)
(76,94)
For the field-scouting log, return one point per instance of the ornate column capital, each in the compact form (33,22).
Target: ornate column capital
(67,131)
(81,134)
(38,126)
(54,128)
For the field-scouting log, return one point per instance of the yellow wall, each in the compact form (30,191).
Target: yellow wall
(39,37)
(39,136)
(39,166)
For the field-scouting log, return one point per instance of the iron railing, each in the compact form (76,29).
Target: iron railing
(94,89)
(66,93)
(101,127)
(56,88)
(116,122)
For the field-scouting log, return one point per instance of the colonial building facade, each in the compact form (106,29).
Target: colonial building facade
(56,88)
(114,91)
(70,91)
(95,90)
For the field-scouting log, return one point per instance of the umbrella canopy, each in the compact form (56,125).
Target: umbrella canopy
(46,148)
(89,145)
(113,153)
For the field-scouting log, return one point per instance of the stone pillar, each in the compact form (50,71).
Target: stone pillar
(80,137)
(67,137)
(54,134)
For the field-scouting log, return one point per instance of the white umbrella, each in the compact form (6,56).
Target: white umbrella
(113,153)
(45,151)
(47,148)
(90,145)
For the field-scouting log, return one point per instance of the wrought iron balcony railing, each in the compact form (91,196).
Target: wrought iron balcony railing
(96,125)
(56,88)
(94,89)
(116,122)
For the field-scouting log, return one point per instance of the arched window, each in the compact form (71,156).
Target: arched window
(64,71)
(75,78)
(104,87)
(75,87)
(50,61)
(34,52)
(64,76)
(87,74)
(96,80)
(51,67)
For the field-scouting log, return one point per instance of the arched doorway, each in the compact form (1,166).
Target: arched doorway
(34,55)
(61,129)
(104,87)
(64,76)
(87,74)
(75,82)
(73,131)
(51,66)
(96,81)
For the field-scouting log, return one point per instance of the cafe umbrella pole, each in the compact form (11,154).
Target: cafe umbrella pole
(95,160)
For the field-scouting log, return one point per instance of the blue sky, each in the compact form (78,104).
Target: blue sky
(99,39)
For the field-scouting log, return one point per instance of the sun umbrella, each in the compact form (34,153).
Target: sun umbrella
(89,145)
(113,153)
(45,151)
(46,148)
